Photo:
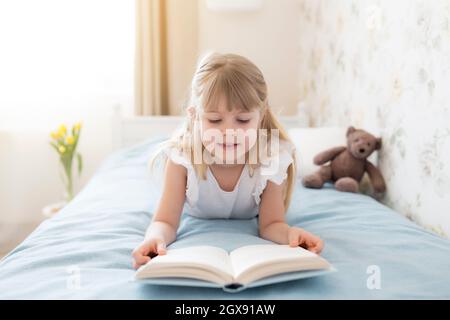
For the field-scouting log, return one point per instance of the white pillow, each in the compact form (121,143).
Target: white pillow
(311,141)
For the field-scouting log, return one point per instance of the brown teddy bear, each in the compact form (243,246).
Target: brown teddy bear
(348,164)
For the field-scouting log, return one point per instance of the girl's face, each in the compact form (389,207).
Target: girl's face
(229,135)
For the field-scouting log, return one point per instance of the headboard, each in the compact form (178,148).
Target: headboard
(129,130)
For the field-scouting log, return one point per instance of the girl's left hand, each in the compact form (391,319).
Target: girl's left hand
(299,237)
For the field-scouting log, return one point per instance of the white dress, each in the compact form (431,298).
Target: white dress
(206,199)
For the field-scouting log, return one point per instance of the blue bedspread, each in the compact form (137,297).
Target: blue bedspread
(90,242)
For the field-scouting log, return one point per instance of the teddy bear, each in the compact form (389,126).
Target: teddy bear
(348,164)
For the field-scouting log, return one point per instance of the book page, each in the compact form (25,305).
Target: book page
(198,257)
(250,257)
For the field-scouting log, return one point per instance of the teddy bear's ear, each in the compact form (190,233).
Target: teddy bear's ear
(350,130)
(378,144)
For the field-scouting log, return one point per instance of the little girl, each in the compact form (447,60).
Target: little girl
(219,166)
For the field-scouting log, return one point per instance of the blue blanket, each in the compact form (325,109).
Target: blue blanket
(85,251)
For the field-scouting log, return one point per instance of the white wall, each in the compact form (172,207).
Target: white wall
(268,36)
(60,61)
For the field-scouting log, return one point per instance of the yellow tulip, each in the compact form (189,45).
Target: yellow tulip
(77,126)
(70,140)
(62,130)
(54,135)
(62,149)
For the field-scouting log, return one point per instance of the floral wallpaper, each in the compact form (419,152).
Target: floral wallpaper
(385,66)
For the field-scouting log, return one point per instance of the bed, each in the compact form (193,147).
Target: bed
(84,252)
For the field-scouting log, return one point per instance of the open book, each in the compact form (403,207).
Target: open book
(244,267)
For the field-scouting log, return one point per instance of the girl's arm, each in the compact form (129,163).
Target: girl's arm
(272,225)
(163,229)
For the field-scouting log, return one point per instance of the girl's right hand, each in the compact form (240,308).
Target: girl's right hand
(148,249)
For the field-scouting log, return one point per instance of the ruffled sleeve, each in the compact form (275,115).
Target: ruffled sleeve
(178,157)
(275,170)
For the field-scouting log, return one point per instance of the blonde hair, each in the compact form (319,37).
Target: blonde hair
(242,85)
